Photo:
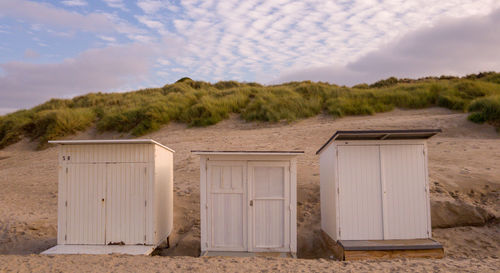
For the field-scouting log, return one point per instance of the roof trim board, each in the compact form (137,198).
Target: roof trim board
(110,141)
(288,153)
(381,135)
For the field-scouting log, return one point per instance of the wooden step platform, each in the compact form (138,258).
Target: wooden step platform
(384,249)
(100,249)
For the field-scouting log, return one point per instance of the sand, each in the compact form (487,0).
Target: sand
(465,186)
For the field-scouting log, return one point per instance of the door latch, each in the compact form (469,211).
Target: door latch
(251,203)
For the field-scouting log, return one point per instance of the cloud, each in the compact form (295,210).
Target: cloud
(25,84)
(31,54)
(150,6)
(50,15)
(450,47)
(118,4)
(74,3)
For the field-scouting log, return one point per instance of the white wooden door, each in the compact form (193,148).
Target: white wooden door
(227,199)
(360,201)
(269,219)
(126,203)
(85,208)
(405,193)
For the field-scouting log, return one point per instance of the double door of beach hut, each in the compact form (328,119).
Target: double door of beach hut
(383,192)
(248,204)
(106,203)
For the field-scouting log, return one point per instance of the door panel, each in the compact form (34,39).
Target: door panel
(360,201)
(126,207)
(227,205)
(403,176)
(270,198)
(85,212)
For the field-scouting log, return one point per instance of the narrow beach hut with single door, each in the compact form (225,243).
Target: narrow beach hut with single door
(375,194)
(115,196)
(248,202)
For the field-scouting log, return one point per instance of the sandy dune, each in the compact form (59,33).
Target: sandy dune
(465,186)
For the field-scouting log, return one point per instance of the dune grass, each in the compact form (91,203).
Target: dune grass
(198,103)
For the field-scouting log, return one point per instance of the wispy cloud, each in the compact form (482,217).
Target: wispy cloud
(74,3)
(450,47)
(50,15)
(118,4)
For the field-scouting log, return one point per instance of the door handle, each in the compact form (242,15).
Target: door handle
(251,203)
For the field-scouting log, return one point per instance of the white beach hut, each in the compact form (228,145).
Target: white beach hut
(375,192)
(248,201)
(115,196)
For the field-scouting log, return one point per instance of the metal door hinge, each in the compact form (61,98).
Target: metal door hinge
(144,238)
(65,237)
(66,203)
(338,190)
(145,203)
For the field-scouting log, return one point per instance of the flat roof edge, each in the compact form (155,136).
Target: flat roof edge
(280,153)
(110,141)
(425,134)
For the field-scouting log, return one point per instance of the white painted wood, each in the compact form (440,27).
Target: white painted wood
(111,141)
(360,193)
(405,191)
(269,182)
(428,194)
(248,153)
(380,142)
(126,199)
(85,213)
(61,202)
(203,204)
(250,157)
(293,205)
(114,192)
(227,205)
(100,249)
(392,183)
(328,192)
(163,194)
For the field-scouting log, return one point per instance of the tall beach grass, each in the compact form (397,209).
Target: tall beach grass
(198,103)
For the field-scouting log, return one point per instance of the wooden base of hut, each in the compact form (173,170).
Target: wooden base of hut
(347,250)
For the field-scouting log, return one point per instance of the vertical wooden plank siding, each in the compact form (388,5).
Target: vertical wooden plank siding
(360,194)
(227,205)
(405,196)
(203,204)
(248,205)
(109,190)
(126,197)
(270,188)
(85,211)
(328,191)
(163,190)
(62,193)
(293,205)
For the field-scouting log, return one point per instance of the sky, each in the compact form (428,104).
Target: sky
(71,47)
